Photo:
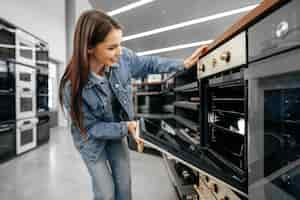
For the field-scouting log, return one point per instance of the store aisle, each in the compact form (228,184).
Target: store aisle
(55,171)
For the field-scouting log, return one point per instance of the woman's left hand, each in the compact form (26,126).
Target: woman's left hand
(190,61)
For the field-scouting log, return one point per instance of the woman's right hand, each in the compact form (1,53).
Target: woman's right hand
(132,130)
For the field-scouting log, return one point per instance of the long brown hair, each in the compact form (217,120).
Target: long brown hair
(92,27)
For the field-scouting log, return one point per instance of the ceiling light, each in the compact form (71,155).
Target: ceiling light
(129,7)
(188,23)
(173,48)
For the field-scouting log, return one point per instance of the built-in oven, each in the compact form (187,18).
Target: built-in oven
(273,77)
(7,91)
(43,129)
(7,139)
(26,134)
(226,104)
(25,76)
(25,91)
(224,111)
(25,102)
(274,125)
(25,48)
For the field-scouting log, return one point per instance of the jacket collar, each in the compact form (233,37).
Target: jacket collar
(93,80)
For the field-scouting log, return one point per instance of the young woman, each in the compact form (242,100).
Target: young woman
(95,89)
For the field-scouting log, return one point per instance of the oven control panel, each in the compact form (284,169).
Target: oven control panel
(216,189)
(229,55)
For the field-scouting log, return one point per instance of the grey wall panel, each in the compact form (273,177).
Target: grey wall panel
(190,34)
(162,13)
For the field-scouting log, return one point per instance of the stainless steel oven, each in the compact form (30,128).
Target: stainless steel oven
(25,48)
(26,134)
(274,125)
(227,119)
(273,77)
(224,110)
(25,92)
(25,76)
(25,102)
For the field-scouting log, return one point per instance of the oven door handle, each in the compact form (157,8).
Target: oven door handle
(27,127)
(2,130)
(26,90)
(5,91)
(7,28)
(28,124)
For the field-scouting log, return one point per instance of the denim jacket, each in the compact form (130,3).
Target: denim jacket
(97,114)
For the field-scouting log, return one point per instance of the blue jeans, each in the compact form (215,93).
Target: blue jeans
(110,174)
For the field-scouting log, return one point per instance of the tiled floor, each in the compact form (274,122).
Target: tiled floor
(55,171)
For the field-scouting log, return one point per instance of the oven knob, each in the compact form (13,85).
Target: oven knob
(216,188)
(225,198)
(213,187)
(214,62)
(225,56)
(202,68)
(282,29)
(206,178)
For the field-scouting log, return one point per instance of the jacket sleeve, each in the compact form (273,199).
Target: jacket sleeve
(141,66)
(95,127)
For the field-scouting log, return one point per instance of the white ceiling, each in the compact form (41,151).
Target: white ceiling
(161,13)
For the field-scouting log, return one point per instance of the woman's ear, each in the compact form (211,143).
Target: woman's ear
(90,50)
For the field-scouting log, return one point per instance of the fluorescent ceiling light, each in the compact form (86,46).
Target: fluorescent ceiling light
(129,7)
(189,23)
(173,48)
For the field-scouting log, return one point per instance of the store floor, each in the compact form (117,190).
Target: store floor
(55,171)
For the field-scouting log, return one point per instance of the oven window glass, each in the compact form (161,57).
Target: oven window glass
(227,137)
(25,76)
(42,84)
(227,123)
(26,137)
(7,107)
(43,102)
(42,55)
(4,76)
(281,128)
(26,51)
(26,104)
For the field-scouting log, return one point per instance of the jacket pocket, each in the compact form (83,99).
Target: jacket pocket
(91,150)
(95,104)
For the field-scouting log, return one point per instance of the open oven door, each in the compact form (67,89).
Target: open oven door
(174,142)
